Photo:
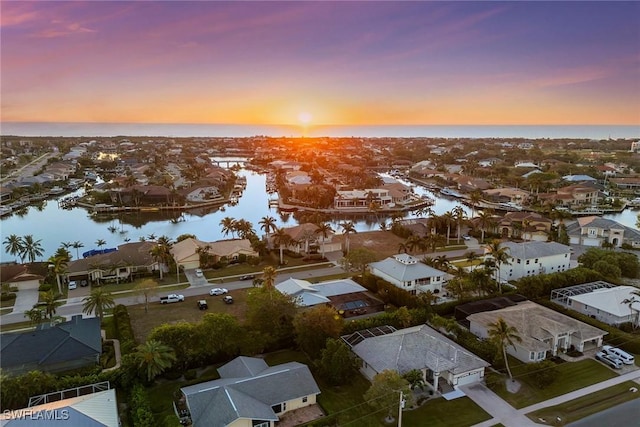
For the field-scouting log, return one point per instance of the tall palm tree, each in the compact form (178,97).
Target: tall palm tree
(244,228)
(448,218)
(281,239)
(100,243)
(324,229)
(630,302)
(267,224)
(155,357)
(50,301)
(228,226)
(14,245)
(460,216)
(97,302)
(32,248)
(347,229)
(500,255)
(503,335)
(269,277)
(485,220)
(474,198)
(58,265)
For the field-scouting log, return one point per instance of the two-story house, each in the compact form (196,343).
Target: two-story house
(406,272)
(533,258)
(594,231)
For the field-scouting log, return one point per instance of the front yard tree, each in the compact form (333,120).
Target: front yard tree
(97,302)
(281,239)
(337,363)
(228,335)
(359,259)
(181,337)
(385,392)
(154,357)
(50,301)
(271,313)
(503,335)
(314,326)
(146,288)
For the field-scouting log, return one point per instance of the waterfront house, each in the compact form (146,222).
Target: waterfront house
(187,253)
(544,332)
(249,393)
(601,300)
(406,272)
(526,225)
(130,260)
(534,258)
(594,231)
(444,364)
(23,276)
(506,195)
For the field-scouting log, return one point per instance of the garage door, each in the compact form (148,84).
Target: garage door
(468,379)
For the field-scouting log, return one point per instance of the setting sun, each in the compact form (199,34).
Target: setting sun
(304,118)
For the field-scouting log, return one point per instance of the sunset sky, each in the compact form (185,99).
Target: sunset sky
(350,63)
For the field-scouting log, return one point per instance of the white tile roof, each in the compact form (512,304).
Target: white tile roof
(610,300)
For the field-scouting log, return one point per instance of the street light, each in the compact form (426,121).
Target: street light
(400,408)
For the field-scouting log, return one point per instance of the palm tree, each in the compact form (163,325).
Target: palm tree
(269,277)
(268,224)
(100,243)
(97,302)
(485,220)
(323,230)
(281,239)
(58,265)
(31,248)
(155,357)
(503,335)
(228,226)
(14,245)
(474,198)
(35,315)
(447,218)
(630,301)
(500,256)
(459,215)
(50,301)
(244,228)
(347,228)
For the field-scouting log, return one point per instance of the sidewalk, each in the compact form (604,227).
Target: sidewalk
(504,413)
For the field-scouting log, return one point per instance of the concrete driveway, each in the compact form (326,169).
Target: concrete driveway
(25,300)
(195,280)
(500,410)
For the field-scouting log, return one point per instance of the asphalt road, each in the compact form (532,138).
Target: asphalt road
(624,415)
(74,305)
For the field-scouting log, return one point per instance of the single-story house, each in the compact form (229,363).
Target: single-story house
(601,300)
(305,238)
(250,393)
(66,346)
(533,258)
(97,408)
(123,264)
(594,230)
(23,276)
(543,331)
(186,253)
(419,347)
(408,273)
(345,295)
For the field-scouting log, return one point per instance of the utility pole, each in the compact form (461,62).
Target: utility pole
(400,407)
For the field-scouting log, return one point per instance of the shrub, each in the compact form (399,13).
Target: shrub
(141,413)
(124,331)
(190,374)
(45,287)
(8,297)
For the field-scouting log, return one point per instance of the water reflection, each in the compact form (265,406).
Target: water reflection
(53,225)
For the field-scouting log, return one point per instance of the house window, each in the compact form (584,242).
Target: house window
(518,260)
(528,261)
(280,407)
(532,355)
(536,261)
(259,423)
(569,303)
(586,307)
(305,399)
(541,355)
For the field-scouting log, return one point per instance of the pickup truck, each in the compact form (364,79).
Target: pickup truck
(171,298)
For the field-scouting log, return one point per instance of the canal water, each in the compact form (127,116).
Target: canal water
(53,225)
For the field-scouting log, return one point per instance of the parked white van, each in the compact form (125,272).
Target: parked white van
(625,357)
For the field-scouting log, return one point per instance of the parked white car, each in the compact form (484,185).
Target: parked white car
(73,285)
(199,272)
(608,360)
(171,299)
(622,355)
(218,291)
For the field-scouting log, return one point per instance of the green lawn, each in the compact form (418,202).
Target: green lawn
(439,412)
(588,405)
(571,376)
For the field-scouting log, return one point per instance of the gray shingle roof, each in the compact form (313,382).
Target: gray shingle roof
(69,341)
(405,272)
(220,402)
(574,228)
(529,250)
(418,347)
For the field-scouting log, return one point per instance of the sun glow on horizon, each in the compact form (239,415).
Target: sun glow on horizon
(305,117)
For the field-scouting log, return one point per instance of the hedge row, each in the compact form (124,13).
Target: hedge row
(141,413)
(124,331)
(540,286)
(388,292)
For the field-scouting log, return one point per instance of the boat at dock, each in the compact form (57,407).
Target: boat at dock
(451,193)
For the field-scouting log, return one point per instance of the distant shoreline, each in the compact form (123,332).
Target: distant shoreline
(177,130)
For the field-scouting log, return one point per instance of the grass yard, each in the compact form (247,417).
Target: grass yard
(383,243)
(588,405)
(186,311)
(438,412)
(571,376)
